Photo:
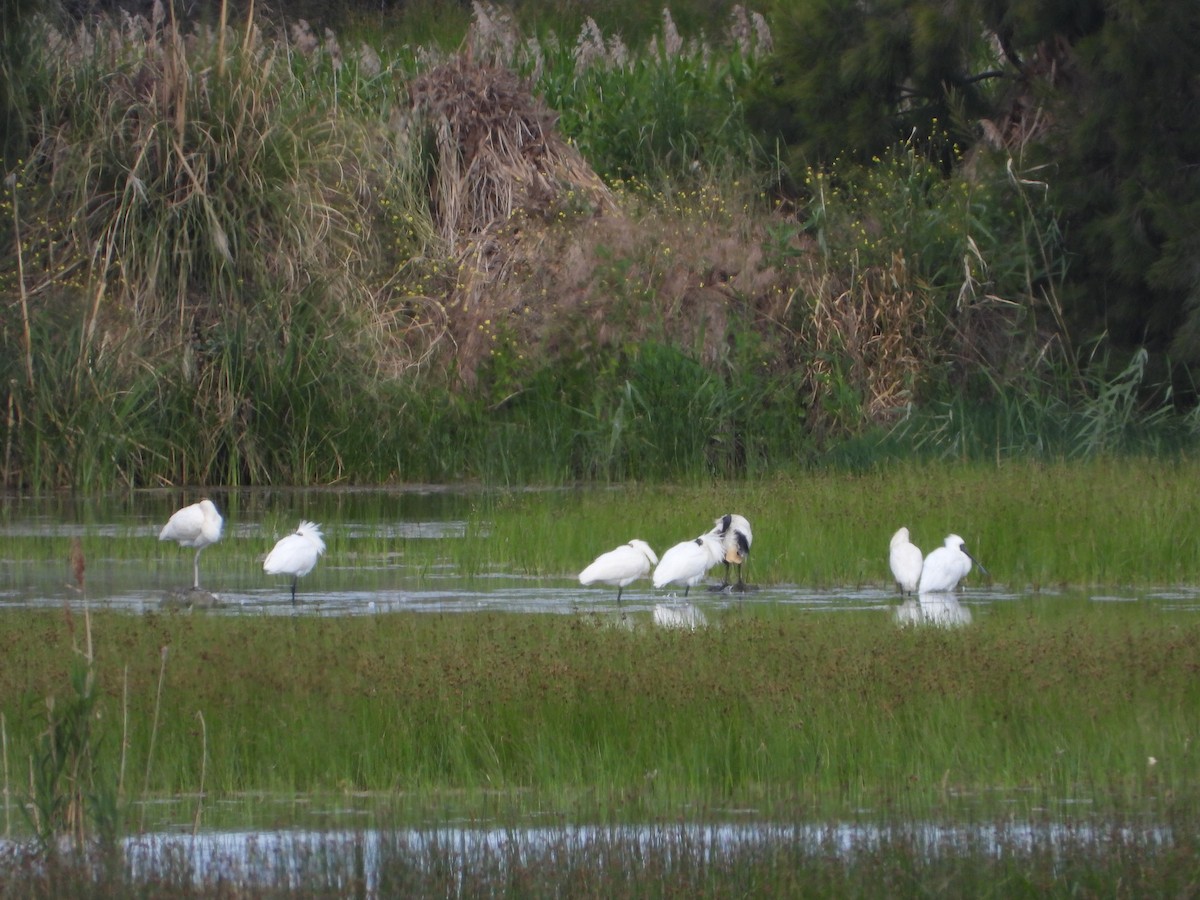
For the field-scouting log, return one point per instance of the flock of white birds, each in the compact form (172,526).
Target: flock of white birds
(938,573)
(200,524)
(687,563)
(728,541)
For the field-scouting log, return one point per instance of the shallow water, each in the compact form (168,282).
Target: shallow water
(371,567)
(281,857)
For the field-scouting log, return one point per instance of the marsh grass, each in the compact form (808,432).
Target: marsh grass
(1113,521)
(1040,703)
(1118,522)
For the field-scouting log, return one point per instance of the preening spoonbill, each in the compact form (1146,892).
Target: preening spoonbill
(946,566)
(196,526)
(687,563)
(734,533)
(905,560)
(296,554)
(622,566)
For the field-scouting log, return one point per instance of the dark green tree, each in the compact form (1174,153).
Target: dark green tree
(854,76)
(1106,93)
(17,83)
(1126,152)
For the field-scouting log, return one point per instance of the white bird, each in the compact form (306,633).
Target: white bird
(946,566)
(196,526)
(296,554)
(906,562)
(687,563)
(622,566)
(734,533)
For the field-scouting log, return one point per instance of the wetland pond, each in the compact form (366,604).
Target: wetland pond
(388,553)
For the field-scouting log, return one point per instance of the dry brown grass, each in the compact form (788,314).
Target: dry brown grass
(875,330)
(548,258)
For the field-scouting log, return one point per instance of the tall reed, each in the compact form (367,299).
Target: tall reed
(228,269)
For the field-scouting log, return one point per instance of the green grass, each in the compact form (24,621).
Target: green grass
(1050,707)
(1122,521)
(1040,701)
(1117,522)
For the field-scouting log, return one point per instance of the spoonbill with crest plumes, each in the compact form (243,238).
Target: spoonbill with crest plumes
(622,566)
(946,566)
(906,562)
(688,562)
(735,536)
(196,526)
(296,554)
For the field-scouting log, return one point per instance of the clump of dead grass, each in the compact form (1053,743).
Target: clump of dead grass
(873,334)
(500,168)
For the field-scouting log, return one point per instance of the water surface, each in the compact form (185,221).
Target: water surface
(385,555)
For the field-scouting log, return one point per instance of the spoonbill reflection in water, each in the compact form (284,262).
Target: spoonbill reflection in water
(933,609)
(688,562)
(946,566)
(905,559)
(296,554)
(196,526)
(681,616)
(622,566)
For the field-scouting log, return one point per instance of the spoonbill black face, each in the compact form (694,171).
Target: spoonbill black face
(734,533)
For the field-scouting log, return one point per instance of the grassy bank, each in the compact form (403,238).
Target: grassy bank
(252,254)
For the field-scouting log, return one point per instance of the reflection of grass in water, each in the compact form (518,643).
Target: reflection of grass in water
(986,859)
(1038,701)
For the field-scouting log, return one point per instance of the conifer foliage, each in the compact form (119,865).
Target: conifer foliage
(1102,94)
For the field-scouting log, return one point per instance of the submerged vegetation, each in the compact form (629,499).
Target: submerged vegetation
(243,253)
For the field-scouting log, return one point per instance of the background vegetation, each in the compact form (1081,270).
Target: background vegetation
(425,242)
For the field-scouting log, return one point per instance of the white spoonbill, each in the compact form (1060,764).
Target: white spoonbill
(296,554)
(687,563)
(734,533)
(196,526)
(905,560)
(946,566)
(622,566)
